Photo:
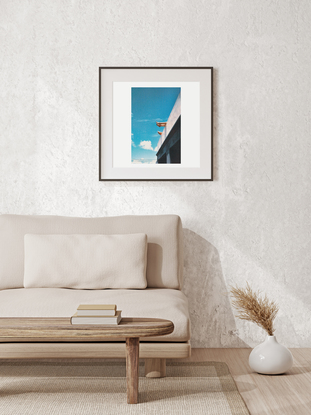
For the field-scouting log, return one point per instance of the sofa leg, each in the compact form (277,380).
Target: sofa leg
(155,368)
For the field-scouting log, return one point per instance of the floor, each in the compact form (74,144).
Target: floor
(288,394)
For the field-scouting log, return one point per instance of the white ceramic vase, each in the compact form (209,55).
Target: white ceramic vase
(270,358)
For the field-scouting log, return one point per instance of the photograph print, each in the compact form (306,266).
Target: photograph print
(155,125)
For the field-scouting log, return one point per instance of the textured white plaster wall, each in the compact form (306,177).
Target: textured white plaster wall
(253,222)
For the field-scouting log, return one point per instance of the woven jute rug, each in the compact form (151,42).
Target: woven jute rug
(72,388)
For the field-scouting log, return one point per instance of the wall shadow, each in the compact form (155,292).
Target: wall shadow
(212,319)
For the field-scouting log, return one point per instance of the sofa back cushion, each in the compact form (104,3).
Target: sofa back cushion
(164,250)
(85,261)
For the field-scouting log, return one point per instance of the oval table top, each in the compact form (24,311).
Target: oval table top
(56,329)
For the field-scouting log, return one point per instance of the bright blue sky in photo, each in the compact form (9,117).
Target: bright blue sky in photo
(149,105)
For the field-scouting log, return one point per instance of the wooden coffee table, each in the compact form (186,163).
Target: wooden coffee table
(34,329)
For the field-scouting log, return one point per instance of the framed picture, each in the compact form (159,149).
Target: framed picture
(155,123)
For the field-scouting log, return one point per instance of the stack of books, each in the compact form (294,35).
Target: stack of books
(101,314)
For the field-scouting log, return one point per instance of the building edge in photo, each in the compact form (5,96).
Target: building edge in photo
(169,144)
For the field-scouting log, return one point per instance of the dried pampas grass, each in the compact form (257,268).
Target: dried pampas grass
(252,307)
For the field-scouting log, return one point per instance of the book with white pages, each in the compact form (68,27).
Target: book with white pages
(97,320)
(97,310)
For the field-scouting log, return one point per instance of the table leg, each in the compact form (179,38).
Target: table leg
(132,368)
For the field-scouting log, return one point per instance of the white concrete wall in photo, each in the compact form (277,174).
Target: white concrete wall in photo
(253,222)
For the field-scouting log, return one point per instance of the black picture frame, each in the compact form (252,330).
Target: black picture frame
(196,85)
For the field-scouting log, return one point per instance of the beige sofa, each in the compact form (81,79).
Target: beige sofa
(162,298)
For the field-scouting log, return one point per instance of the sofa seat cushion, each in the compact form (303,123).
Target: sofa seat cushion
(164,303)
